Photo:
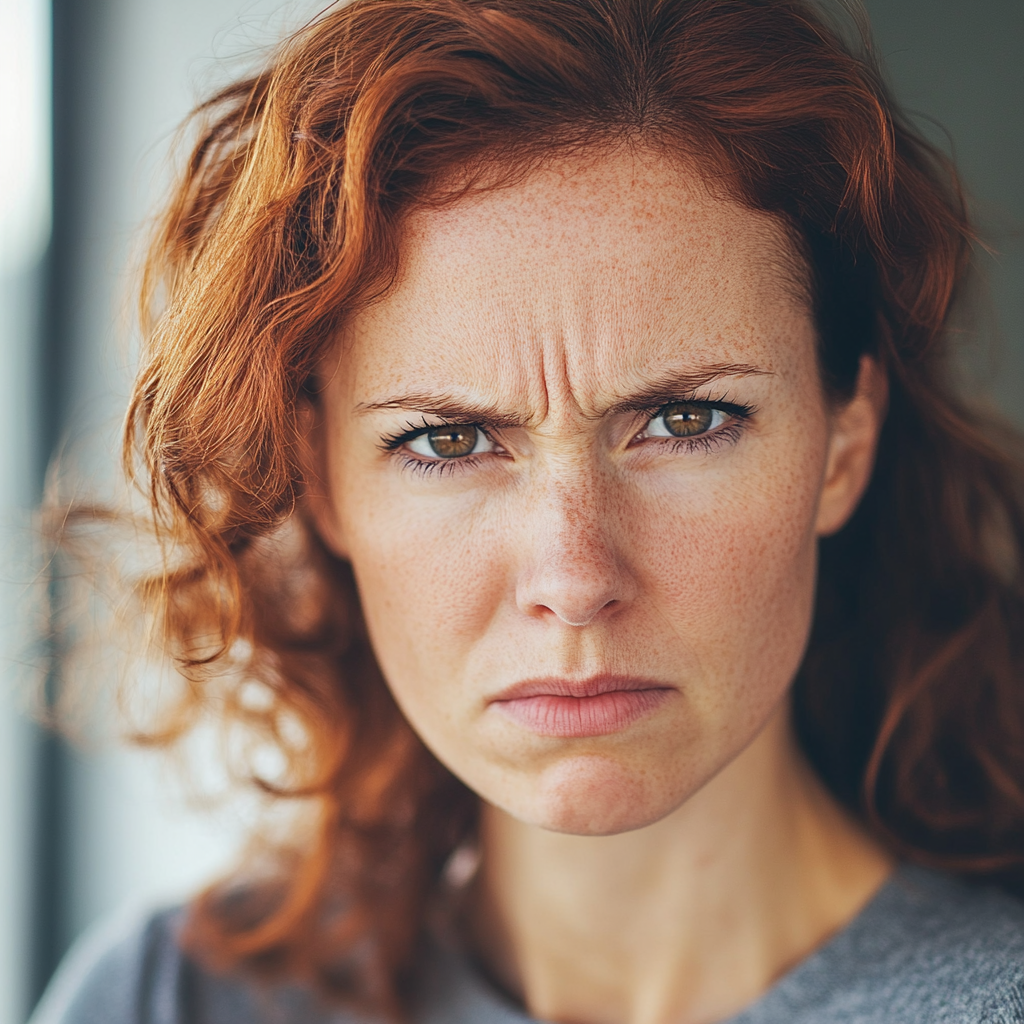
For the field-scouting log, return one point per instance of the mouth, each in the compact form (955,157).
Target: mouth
(568,708)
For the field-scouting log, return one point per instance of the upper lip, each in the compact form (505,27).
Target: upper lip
(593,686)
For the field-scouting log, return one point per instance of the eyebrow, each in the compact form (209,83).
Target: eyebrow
(445,406)
(653,392)
(675,385)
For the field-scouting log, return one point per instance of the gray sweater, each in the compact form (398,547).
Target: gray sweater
(925,950)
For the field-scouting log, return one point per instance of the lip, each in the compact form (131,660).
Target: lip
(576,708)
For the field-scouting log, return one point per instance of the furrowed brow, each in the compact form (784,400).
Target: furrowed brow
(682,385)
(655,391)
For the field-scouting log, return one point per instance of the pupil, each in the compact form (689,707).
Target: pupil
(685,420)
(451,442)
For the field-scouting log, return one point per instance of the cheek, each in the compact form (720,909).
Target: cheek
(733,567)
(431,578)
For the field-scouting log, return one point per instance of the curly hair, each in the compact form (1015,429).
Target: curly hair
(287,221)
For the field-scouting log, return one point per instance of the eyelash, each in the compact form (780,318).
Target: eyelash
(392,444)
(729,433)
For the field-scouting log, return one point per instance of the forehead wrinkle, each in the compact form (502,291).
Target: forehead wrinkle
(521,372)
(555,376)
(552,341)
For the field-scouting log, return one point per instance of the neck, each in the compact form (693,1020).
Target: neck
(685,921)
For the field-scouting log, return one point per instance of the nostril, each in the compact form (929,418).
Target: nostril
(577,616)
(572,600)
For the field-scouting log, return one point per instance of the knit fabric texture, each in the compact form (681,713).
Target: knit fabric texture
(926,949)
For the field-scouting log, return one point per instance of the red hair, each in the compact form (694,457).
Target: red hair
(287,221)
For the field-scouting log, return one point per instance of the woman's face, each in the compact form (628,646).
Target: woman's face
(579,458)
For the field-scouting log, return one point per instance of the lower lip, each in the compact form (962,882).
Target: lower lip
(573,717)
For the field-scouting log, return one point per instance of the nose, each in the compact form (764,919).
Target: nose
(571,569)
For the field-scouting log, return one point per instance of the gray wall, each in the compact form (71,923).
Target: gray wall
(960,63)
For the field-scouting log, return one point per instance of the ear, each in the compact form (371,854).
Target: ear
(851,453)
(317,502)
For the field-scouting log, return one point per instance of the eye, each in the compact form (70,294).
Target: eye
(685,419)
(452,441)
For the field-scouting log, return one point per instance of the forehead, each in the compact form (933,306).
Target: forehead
(593,267)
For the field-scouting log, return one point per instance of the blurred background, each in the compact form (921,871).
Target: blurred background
(91,92)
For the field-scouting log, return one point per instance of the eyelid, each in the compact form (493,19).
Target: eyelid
(481,438)
(397,443)
(390,442)
(737,413)
(738,409)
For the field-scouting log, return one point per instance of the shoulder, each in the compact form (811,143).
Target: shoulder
(963,943)
(133,971)
(107,974)
(979,924)
(928,949)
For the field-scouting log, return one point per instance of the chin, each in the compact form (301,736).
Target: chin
(594,795)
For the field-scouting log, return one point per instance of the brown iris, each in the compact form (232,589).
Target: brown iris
(451,442)
(684,419)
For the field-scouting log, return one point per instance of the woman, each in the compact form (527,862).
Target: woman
(546,420)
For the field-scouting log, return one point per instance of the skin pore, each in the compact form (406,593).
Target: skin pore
(579,458)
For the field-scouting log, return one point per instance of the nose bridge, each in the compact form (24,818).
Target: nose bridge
(577,515)
(570,567)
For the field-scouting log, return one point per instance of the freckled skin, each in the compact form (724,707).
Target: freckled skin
(573,551)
